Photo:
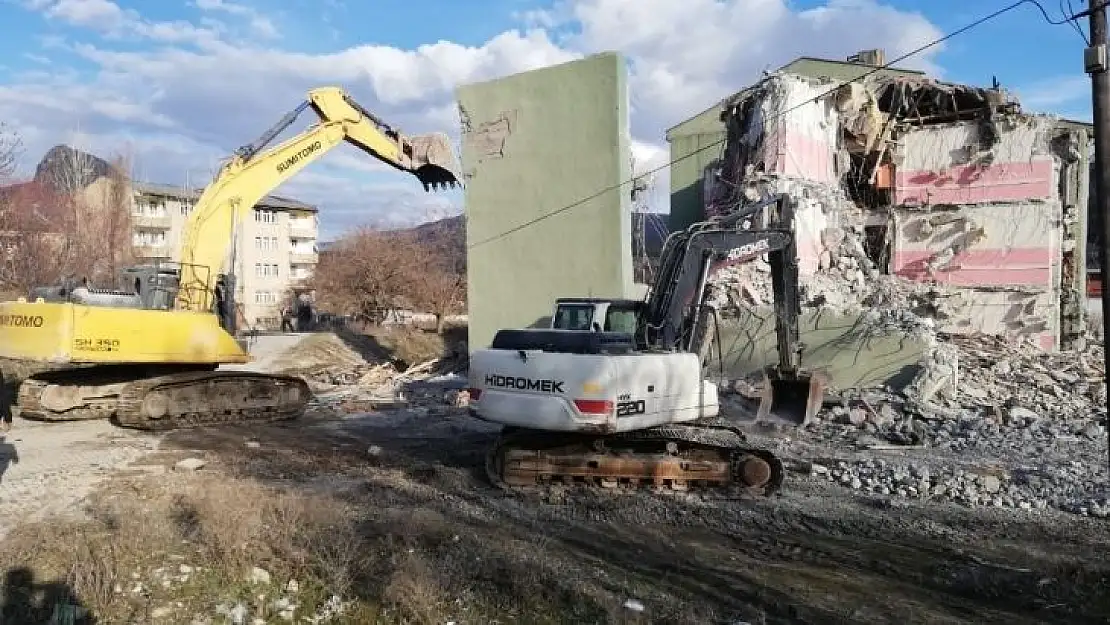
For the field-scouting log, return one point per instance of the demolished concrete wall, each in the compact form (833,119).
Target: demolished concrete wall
(979,209)
(1002,262)
(537,147)
(941,201)
(976,163)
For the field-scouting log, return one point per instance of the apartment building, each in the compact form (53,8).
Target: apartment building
(276,246)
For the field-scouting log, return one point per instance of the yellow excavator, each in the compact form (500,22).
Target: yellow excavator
(147,353)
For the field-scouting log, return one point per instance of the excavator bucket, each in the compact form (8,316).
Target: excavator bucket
(434,162)
(791,398)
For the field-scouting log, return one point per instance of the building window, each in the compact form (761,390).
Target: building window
(147,238)
(266,243)
(150,207)
(264,216)
(265,297)
(302,246)
(266,270)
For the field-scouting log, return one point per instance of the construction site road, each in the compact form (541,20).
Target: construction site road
(819,553)
(46,469)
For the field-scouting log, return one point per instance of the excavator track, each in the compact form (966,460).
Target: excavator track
(175,400)
(707,457)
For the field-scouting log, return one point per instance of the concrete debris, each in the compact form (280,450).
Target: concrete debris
(1037,419)
(435,384)
(939,377)
(258,576)
(877,476)
(343,380)
(190,464)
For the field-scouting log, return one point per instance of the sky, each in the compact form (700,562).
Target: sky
(176,87)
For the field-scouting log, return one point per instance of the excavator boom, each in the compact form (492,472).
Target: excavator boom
(147,353)
(255,171)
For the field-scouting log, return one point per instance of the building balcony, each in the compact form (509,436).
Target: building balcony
(302,258)
(151,223)
(301,231)
(151,251)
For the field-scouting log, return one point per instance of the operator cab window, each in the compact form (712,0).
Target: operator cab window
(573,317)
(620,320)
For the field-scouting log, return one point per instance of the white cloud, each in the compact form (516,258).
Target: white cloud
(204,92)
(1054,92)
(259,23)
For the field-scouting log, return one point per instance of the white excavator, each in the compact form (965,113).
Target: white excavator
(627,403)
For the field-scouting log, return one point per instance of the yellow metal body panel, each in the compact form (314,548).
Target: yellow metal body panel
(73,333)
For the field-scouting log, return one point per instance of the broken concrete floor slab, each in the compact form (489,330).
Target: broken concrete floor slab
(851,350)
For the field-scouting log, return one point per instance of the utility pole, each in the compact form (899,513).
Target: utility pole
(1095,64)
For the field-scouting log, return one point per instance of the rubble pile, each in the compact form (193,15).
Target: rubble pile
(981,399)
(847,282)
(323,360)
(980,392)
(344,380)
(1011,381)
(1061,486)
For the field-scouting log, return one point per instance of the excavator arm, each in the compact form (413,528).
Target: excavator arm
(675,319)
(691,257)
(254,171)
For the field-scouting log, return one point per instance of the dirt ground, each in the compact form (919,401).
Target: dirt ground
(47,469)
(391,512)
(817,554)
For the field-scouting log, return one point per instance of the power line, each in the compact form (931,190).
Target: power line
(874,70)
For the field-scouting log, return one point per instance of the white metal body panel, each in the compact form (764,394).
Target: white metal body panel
(537,390)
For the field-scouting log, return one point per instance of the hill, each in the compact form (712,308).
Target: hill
(448,235)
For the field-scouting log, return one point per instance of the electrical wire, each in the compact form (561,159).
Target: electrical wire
(816,98)
(1073,22)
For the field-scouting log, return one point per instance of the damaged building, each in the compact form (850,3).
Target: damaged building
(943,200)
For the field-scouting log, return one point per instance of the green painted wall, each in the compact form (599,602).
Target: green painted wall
(552,139)
(687,204)
(853,353)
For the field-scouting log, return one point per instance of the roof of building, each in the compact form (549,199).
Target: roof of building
(811,67)
(181,192)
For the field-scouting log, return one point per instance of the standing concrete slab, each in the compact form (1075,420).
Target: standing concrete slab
(552,141)
(850,351)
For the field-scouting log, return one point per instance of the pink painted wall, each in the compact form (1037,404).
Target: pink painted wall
(790,151)
(1015,266)
(974,184)
(1020,249)
(943,165)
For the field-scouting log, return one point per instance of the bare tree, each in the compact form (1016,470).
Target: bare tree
(11,150)
(437,287)
(367,274)
(35,246)
(72,222)
(105,208)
